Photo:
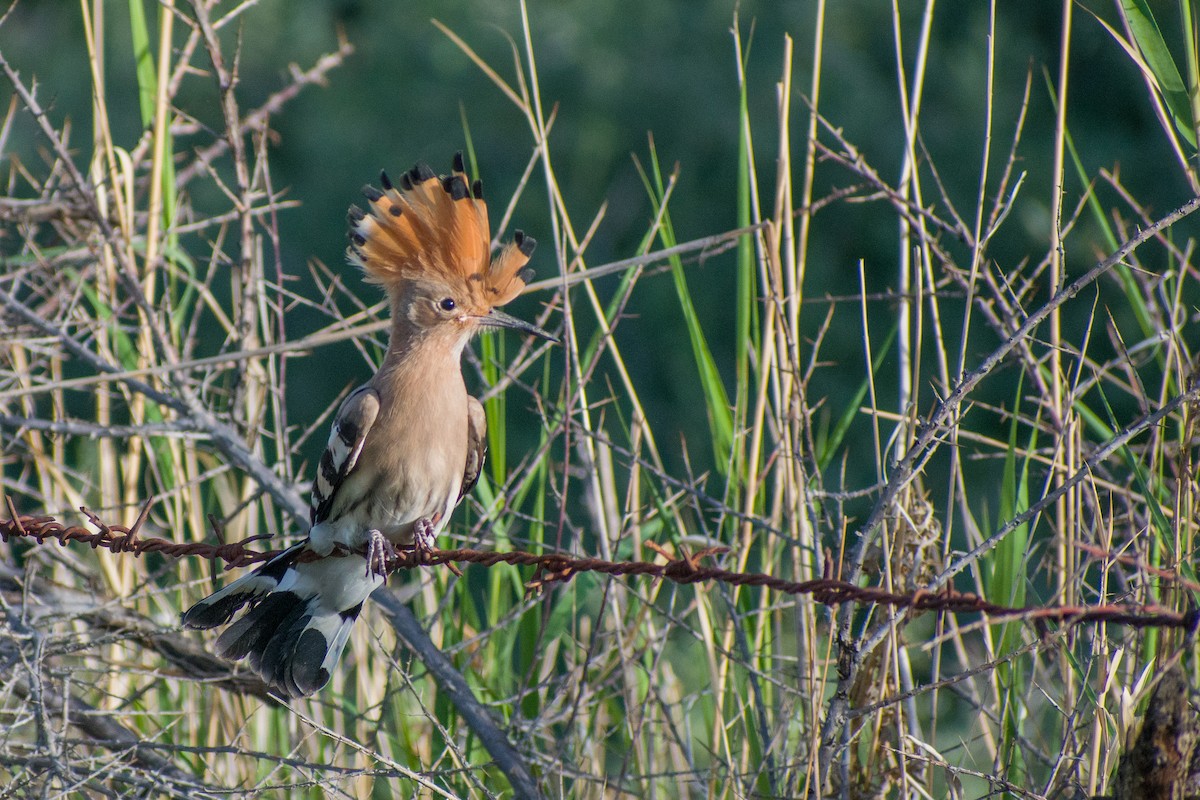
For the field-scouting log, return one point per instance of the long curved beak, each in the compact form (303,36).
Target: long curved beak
(498,319)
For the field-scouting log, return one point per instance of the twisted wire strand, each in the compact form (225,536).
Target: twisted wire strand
(552,568)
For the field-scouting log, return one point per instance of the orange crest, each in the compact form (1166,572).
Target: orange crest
(436,227)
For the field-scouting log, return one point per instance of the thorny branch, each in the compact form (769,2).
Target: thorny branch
(557,567)
(926,440)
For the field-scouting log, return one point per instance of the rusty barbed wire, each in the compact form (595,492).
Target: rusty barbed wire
(684,568)
(121,539)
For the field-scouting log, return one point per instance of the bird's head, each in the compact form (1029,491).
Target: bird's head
(428,243)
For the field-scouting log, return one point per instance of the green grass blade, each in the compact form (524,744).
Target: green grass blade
(716,401)
(1006,585)
(1157,55)
(746,337)
(143,61)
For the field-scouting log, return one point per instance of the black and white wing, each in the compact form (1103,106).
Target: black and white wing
(476,445)
(350,428)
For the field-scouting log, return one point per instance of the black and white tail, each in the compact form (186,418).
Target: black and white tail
(299,618)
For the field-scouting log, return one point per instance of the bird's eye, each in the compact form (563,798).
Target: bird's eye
(447,304)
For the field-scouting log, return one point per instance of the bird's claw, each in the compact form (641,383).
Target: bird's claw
(425,542)
(424,536)
(379,552)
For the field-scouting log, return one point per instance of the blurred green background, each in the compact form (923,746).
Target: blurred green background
(618,71)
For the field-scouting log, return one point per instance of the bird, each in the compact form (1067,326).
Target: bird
(404,448)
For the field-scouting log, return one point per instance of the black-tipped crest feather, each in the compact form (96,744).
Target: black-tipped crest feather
(438,230)
(525,244)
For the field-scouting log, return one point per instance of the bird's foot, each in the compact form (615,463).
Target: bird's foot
(425,542)
(424,536)
(379,551)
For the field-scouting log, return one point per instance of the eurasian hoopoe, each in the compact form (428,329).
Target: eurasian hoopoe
(404,448)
